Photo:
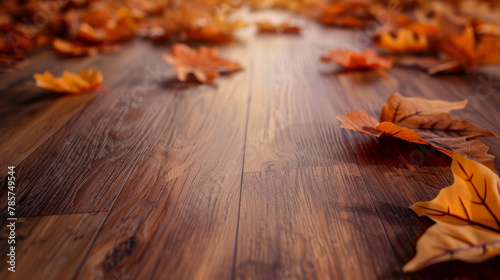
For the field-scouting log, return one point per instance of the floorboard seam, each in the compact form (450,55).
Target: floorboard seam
(233,261)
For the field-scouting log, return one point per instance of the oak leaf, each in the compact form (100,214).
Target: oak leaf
(467,216)
(204,63)
(357,60)
(426,122)
(70,83)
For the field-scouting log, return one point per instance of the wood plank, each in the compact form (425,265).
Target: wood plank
(292,120)
(49,247)
(401,173)
(176,217)
(311,223)
(83,166)
(30,115)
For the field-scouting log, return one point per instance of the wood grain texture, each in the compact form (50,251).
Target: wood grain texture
(50,247)
(30,115)
(334,234)
(249,178)
(76,169)
(177,215)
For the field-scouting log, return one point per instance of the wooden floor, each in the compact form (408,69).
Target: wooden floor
(249,178)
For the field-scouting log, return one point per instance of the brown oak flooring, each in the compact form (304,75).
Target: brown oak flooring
(249,178)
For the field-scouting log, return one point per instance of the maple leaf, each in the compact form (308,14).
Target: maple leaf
(70,83)
(203,63)
(356,60)
(216,29)
(426,122)
(283,28)
(73,48)
(353,14)
(467,216)
(466,53)
(101,25)
(429,117)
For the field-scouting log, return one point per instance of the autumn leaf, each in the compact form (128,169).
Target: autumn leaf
(353,14)
(70,83)
(466,52)
(216,29)
(101,25)
(357,60)
(426,122)
(405,40)
(204,63)
(467,216)
(73,48)
(429,117)
(283,28)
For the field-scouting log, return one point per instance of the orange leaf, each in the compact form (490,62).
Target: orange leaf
(431,118)
(467,216)
(356,60)
(424,122)
(405,40)
(469,53)
(72,48)
(70,83)
(203,63)
(354,14)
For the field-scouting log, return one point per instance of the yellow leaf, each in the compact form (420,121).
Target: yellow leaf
(70,83)
(404,41)
(467,216)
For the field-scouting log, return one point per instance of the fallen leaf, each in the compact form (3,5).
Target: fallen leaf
(467,52)
(353,14)
(215,29)
(357,60)
(283,28)
(467,216)
(204,63)
(426,122)
(74,48)
(405,40)
(71,83)
(429,117)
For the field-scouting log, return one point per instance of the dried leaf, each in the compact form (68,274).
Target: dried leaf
(355,60)
(70,83)
(469,53)
(426,122)
(216,29)
(283,28)
(405,40)
(429,117)
(203,63)
(73,48)
(467,216)
(353,14)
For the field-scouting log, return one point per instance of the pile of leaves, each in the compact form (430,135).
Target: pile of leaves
(437,36)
